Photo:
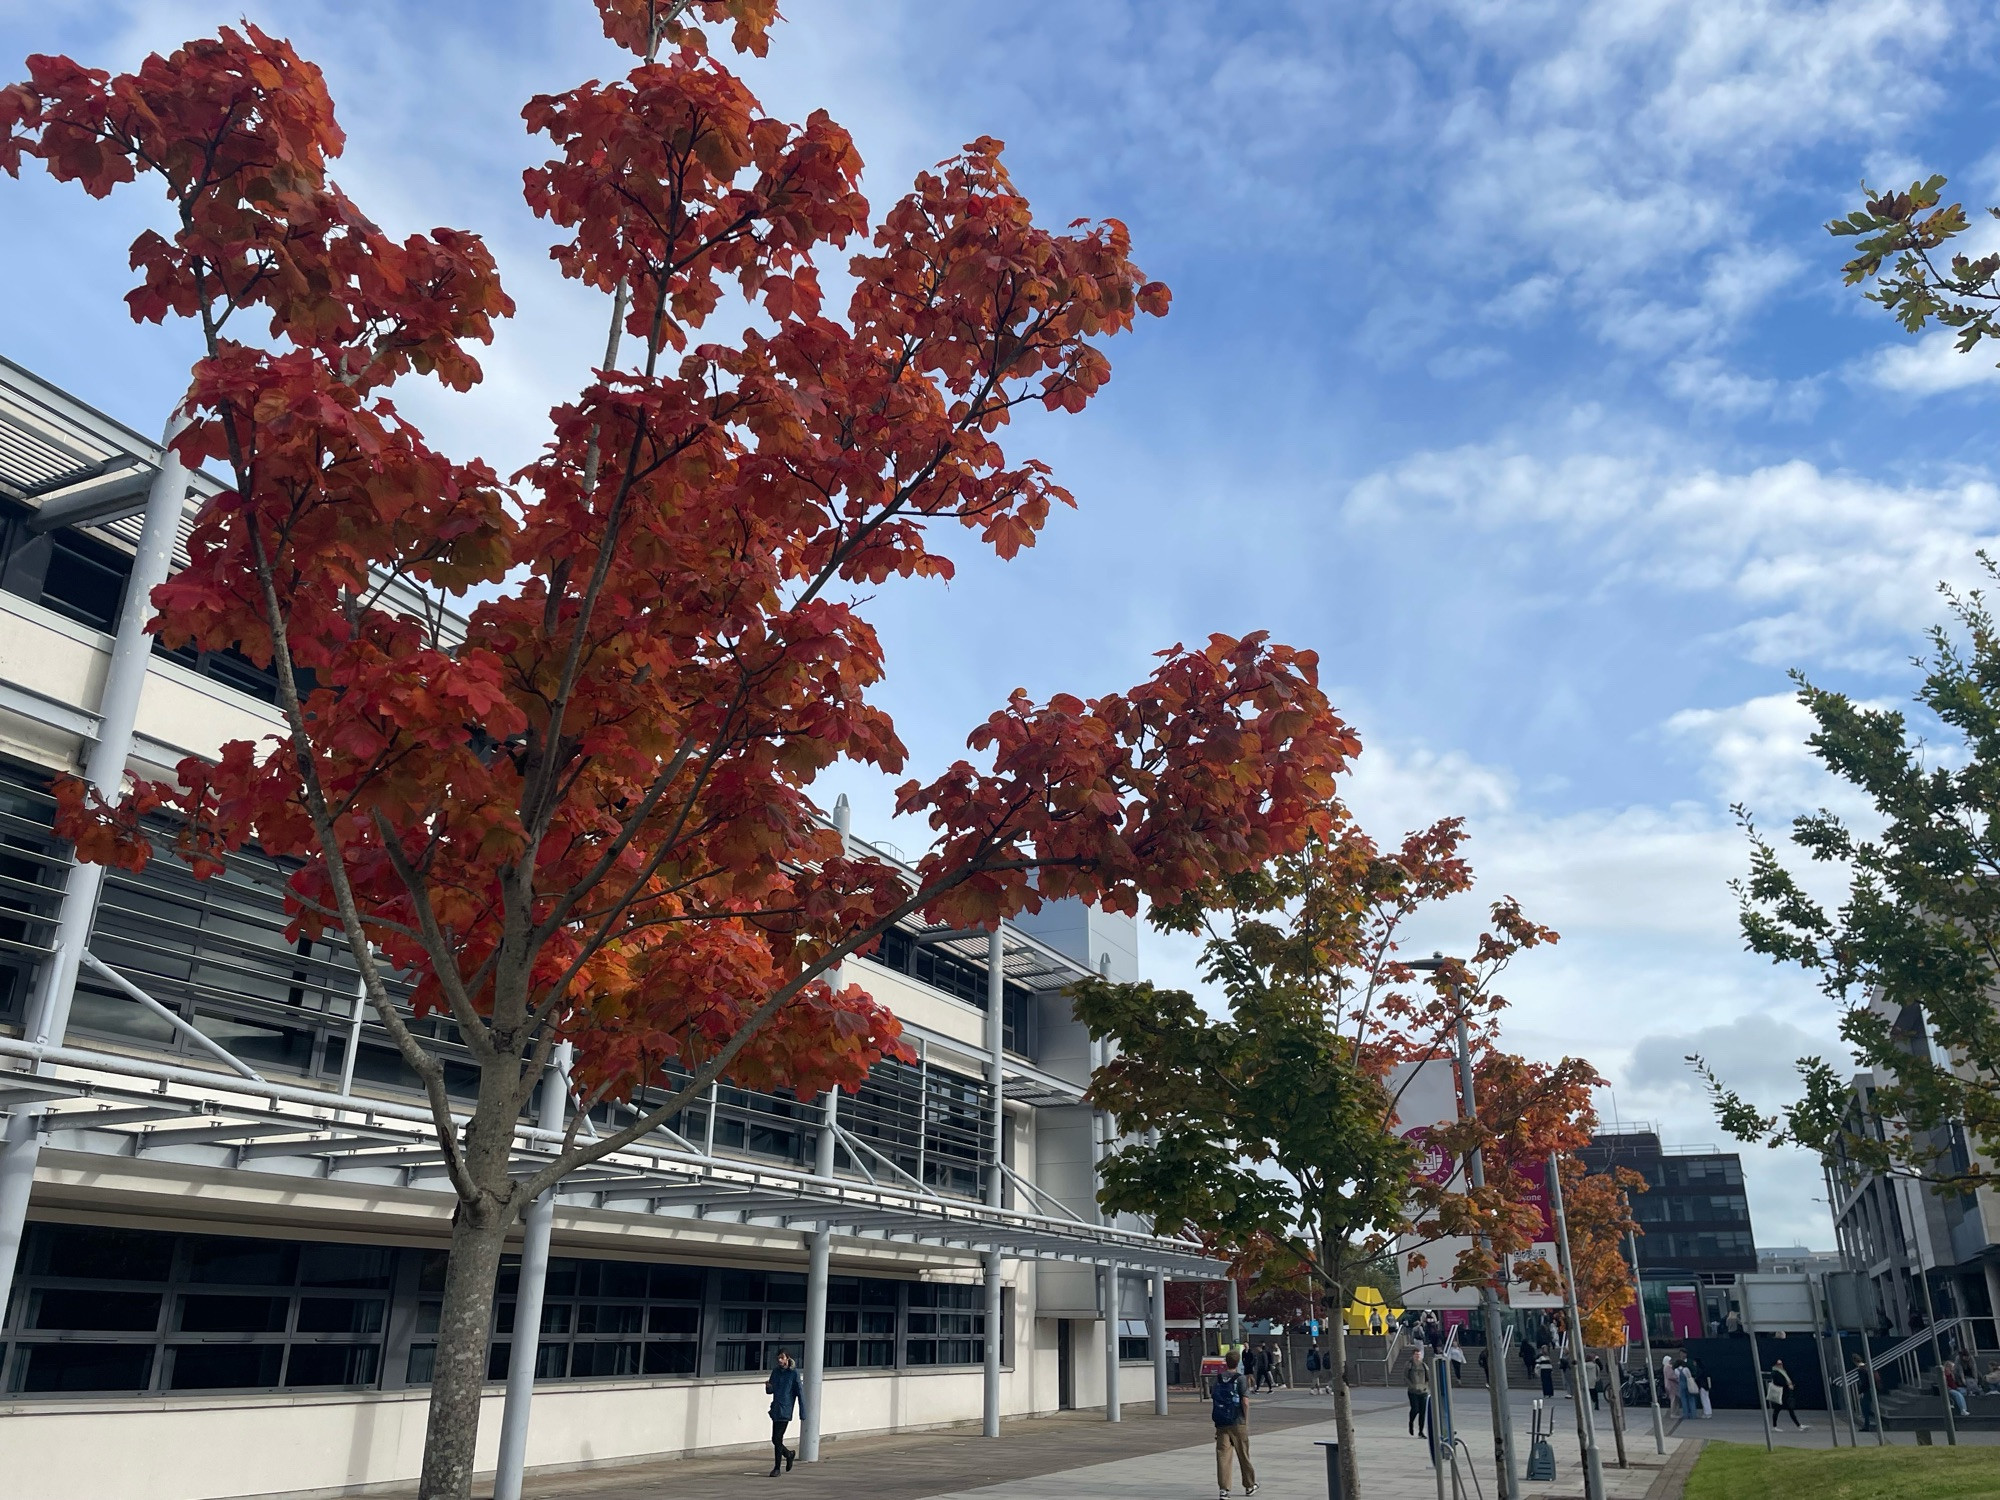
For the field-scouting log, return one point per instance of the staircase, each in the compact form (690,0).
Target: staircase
(1911,1400)
(1920,1408)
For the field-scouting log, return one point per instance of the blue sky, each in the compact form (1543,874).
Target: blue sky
(1509,368)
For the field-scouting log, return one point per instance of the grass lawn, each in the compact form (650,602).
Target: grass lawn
(1738,1471)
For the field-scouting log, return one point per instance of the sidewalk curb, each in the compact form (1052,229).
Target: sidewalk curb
(1671,1482)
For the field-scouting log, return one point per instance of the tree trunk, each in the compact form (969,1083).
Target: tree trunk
(458,1373)
(478,1233)
(1343,1407)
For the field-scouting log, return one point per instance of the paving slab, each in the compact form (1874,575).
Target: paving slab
(1144,1457)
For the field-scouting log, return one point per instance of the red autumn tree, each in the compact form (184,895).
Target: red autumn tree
(1528,1112)
(581,809)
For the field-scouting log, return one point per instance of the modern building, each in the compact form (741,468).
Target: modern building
(1694,1225)
(1927,1257)
(1797,1260)
(226,1216)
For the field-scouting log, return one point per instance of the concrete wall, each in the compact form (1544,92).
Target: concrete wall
(90,1450)
(180,712)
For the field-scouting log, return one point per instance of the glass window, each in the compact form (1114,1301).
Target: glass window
(220,1313)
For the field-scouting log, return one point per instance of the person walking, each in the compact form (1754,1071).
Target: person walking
(1278,1367)
(1593,1374)
(1263,1367)
(1867,1389)
(1545,1366)
(1690,1391)
(1312,1366)
(786,1391)
(1781,1394)
(1229,1409)
(1417,1386)
(1670,1385)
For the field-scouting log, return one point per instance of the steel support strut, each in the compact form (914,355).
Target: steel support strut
(996,1184)
(817,1264)
(537,1225)
(1113,1412)
(104,769)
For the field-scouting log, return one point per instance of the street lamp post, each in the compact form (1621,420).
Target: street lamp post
(1654,1395)
(1505,1466)
(1593,1467)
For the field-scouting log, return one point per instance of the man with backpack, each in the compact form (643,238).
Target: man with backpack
(1229,1409)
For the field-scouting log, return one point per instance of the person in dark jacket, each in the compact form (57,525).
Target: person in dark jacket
(787,1395)
(1779,1379)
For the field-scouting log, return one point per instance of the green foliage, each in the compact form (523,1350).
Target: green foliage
(1260,1127)
(1732,1471)
(1909,228)
(1269,1129)
(1912,955)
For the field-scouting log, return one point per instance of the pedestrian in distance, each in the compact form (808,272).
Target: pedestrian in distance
(1278,1367)
(1593,1375)
(1229,1409)
(1866,1388)
(1955,1388)
(787,1394)
(1313,1366)
(1417,1386)
(1545,1366)
(1704,1386)
(1690,1391)
(1781,1394)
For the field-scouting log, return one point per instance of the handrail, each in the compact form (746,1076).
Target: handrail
(1907,1349)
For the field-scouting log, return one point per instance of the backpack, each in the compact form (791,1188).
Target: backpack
(1225,1400)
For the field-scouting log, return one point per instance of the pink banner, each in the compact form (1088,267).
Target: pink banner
(1684,1313)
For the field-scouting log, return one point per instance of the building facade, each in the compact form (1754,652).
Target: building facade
(226,1218)
(1926,1256)
(1694,1235)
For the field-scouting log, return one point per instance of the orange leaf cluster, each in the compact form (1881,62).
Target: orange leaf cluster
(591,808)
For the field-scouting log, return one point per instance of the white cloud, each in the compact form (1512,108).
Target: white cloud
(1817,564)
(1708,383)
(1930,366)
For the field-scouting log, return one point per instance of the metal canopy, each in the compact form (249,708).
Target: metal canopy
(120,1107)
(72,463)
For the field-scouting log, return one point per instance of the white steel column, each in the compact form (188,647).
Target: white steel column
(1112,1410)
(815,1371)
(1157,1335)
(996,1033)
(537,1223)
(994,1331)
(104,769)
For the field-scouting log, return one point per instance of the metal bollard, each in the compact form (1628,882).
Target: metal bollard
(1332,1468)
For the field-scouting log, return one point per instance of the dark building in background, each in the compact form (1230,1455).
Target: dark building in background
(1694,1220)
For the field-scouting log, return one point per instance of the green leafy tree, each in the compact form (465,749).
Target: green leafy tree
(1268,1129)
(1911,954)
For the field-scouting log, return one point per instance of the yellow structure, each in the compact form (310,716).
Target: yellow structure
(1368,1313)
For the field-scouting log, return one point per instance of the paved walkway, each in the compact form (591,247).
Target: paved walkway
(1079,1456)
